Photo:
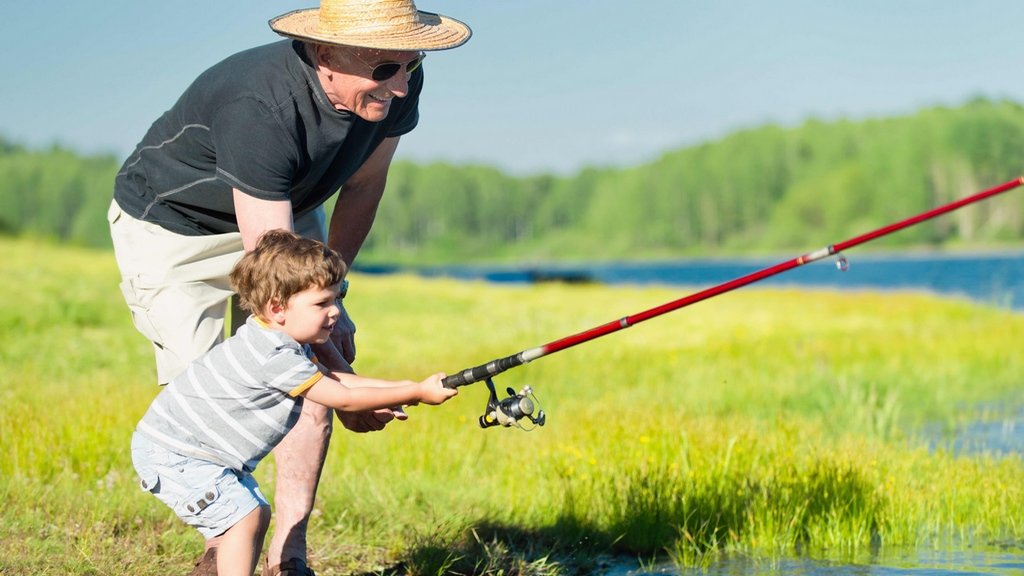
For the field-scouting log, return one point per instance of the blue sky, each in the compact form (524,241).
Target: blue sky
(543,85)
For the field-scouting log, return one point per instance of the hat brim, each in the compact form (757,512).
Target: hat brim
(433,32)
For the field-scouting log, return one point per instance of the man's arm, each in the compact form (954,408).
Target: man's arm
(357,204)
(256,216)
(350,223)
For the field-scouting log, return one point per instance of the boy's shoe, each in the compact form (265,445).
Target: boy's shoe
(293,567)
(206,565)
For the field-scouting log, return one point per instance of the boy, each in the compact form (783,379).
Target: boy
(196,447)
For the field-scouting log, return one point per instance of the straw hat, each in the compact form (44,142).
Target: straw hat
(380,24)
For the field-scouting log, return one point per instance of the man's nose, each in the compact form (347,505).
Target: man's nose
(399,84)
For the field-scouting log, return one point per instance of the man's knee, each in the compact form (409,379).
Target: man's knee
(317,418)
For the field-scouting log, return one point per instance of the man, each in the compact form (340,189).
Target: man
(258,142)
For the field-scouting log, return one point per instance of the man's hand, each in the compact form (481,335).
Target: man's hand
(369,421)
(330,356)
(344,335)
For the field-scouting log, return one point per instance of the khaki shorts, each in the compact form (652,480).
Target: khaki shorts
(177,286)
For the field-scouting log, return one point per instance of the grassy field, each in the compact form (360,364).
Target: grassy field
(763,422)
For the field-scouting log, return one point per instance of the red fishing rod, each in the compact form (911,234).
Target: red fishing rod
(511,410)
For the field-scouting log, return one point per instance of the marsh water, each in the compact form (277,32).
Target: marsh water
(991,278)
(994,560)
(995,279)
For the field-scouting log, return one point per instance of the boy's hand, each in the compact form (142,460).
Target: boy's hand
(432,391)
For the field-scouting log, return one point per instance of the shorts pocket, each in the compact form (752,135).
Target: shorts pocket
(147,459)
(197,502)
(209,509)
(139,299)
(149,481)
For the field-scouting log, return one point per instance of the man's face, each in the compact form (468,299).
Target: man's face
(347,78)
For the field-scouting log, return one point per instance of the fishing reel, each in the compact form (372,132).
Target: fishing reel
(511,411)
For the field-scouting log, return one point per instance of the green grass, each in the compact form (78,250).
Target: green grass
(763,422)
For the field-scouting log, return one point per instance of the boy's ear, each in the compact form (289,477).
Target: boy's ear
(275,310)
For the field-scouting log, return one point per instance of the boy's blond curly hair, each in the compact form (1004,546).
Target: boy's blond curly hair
(282,265)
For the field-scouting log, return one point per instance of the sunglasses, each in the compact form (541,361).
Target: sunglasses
(387,70)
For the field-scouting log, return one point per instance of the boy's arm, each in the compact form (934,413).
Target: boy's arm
(332,363)
(352,393)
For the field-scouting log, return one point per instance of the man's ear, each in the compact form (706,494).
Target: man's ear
(323,57)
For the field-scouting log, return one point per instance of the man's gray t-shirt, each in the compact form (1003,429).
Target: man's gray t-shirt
(235,403)
(258,121)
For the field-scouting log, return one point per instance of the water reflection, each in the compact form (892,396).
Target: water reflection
(993,561)
(985,436)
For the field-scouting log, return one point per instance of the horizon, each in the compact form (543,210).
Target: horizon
(43,146)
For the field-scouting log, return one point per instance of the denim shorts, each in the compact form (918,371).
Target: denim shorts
(207,496)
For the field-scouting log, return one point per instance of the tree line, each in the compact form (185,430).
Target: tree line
(763,189)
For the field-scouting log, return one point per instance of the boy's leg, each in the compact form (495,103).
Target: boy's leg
(239,548)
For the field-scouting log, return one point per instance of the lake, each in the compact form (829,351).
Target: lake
(990,278)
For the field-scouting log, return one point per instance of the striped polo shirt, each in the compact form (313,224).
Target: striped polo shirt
(236,402)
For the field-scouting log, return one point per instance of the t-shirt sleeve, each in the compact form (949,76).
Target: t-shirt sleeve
(291,371)
(252,149)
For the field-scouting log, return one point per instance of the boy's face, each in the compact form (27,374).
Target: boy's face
(310,315)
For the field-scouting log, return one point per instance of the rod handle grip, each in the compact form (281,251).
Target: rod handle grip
(455,380)
(481,372)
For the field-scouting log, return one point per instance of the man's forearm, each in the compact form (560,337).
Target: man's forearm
(357,204)
(331,358)
(351,221)
(256,216)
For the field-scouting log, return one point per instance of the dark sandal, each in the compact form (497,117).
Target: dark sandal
(293,567)
(206,565)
